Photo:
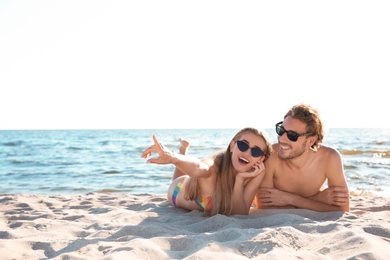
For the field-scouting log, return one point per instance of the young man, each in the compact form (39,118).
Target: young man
(303,173)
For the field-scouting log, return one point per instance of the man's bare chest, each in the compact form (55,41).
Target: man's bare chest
(304,183)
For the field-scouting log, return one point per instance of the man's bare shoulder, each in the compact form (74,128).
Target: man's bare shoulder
(329,151)
(274,156)
(273,162)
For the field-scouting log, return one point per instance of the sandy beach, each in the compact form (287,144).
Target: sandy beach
(145,226)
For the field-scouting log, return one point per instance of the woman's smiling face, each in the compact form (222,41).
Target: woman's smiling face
(250,144)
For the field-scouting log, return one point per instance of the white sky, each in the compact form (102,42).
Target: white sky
(192,64)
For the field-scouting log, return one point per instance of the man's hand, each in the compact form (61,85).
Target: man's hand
(271,197)
(334,195)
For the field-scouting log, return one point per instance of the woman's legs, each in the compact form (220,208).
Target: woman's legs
(184,145)
(177,189)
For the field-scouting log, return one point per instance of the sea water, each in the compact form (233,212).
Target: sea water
(82,161)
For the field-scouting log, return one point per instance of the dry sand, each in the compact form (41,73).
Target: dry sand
(145,226)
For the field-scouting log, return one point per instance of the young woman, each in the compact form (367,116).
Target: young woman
(224,183)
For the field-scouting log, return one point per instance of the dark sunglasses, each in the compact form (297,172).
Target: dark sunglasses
(255,151)
(293,136)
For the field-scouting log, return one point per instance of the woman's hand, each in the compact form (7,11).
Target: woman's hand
(164,154)
(257,169)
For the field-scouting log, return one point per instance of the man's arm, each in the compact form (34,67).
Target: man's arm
(275,198)
(334,195)
(337,193)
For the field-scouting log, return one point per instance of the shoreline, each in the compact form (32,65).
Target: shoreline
(145,226)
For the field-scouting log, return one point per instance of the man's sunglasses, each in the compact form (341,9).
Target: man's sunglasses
(293,136)
(244,146)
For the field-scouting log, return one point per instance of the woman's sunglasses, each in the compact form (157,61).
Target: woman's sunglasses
(255,151)
(293,136)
